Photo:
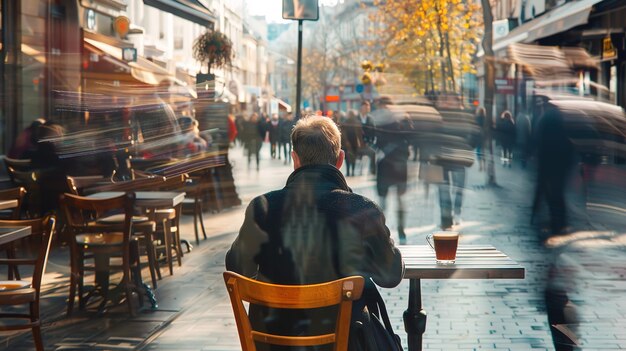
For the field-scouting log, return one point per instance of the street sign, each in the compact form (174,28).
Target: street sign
(608,50)
(332,98)
(505,86)
(129,54)
(359,88)
(301,10)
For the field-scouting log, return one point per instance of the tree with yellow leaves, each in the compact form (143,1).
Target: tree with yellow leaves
(432,42)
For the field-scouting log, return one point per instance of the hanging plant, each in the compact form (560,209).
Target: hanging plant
(213,49)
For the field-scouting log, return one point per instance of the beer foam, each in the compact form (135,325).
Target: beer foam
(446,235)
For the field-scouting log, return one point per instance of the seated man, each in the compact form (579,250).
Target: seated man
(313,230)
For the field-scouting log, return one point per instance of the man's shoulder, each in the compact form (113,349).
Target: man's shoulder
(353,203)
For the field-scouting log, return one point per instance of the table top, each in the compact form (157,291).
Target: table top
(9,234)
(6,204)
(472,262)
(153,199)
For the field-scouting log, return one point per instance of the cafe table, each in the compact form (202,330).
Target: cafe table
(472,262)
(6,204)
(10,234)
(152,200)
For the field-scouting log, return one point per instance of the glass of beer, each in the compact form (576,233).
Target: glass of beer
(444,244)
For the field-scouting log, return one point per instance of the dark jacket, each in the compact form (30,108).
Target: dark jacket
(313,230)
(286,126)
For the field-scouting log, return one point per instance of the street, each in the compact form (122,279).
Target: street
(194,311)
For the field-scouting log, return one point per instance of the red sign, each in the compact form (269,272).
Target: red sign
(505,86)
(332,98)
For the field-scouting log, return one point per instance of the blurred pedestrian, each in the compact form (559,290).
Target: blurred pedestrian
(479,119)
(232,129)
(191,142)
(369,135)
(254,133)
(273,128)
(352,140)
(507,137)
(393,132)
(522,137)
(555,154)
(286,126)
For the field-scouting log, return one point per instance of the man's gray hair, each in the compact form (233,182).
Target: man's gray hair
(316,140)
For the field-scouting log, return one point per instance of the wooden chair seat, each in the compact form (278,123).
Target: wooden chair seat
(13,284)
(166,213)
(119,218)
(339,293)
(18,295)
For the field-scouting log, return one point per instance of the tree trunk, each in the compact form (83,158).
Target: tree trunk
(489,88)
(441,50)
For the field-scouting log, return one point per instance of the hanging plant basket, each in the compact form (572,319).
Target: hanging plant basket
(213,49)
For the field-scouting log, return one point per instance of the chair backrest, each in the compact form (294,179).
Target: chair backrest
(14,194)
(22,177)
(80,210)
(76,184)
(339,292)
(174,183)
(16,164)
(39,226)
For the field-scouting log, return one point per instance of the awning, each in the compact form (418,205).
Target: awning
(143,70)
(558,20)
(191,10)
(282,105)
(562,18)
(541,62)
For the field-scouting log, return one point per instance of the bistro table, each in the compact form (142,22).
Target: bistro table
(10,234)
(472,262)
(152,200)
(6,204)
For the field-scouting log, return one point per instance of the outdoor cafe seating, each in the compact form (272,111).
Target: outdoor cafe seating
(23,292)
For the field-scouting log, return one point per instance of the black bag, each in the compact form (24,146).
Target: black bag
(371,329)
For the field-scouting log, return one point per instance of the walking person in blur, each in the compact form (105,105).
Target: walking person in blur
(253,134)
(286,126)
(507,137)
(555,154)
(273,128)
(523,132)
(352,140)
(393,132)
(312,231)
(479,119)
(369,135)
(455,155)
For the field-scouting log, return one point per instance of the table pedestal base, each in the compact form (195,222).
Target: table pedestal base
(415,317)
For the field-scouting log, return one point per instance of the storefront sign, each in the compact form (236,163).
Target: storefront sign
(129,54)
(505,86)
(121,24)
(608,50)
(91,19)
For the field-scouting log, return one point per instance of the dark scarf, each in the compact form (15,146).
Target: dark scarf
(318,176)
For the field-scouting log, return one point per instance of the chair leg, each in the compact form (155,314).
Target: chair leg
(153,265)
(34,317)
(167,237)
(195,222)
(200,217)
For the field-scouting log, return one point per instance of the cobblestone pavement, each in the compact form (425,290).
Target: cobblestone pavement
(194,311)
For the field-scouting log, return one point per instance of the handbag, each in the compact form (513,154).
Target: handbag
(371,329)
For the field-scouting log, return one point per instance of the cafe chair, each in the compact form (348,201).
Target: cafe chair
(21,292)
(17,195)
(199,184)
(102,241)
(341,292)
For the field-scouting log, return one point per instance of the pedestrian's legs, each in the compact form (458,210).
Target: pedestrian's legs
(555,191)
(401,217)
(458,181)
(445,203)
(369,152)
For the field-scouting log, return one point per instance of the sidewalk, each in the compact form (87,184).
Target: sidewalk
(194,311)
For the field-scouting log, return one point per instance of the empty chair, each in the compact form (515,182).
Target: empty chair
(20,292)
(102,241)
(341,293)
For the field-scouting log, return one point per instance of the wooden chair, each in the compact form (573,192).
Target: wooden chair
(201,183)
(19,292)
(101,241)
(340,292)
(29,180)
(16,194)
(76,184)
(18,165)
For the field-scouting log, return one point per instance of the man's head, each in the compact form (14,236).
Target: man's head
(316,141)
(365,107)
